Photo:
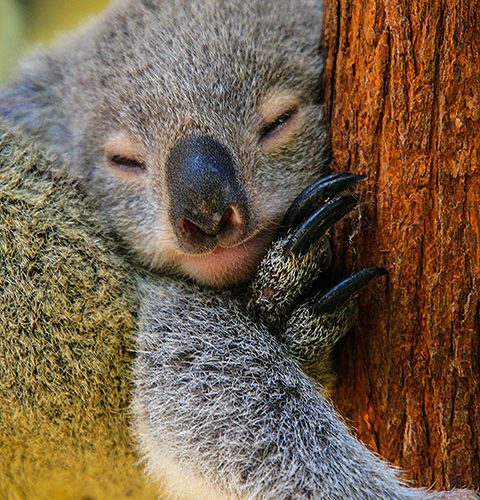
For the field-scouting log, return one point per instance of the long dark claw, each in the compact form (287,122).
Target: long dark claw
(316,194)
(345,290)
(318,224)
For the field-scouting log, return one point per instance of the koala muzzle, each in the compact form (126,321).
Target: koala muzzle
(208,205)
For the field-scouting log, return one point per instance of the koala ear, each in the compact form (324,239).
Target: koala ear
(34,100)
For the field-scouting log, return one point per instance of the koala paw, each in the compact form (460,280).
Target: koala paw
(283,292)
(294,263)
(316,326)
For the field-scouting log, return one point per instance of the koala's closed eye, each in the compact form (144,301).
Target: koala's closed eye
(278,124)
(282,116)
(123,154)
(126,163)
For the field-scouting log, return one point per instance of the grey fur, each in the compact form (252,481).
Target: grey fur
(218,396)
(225,403)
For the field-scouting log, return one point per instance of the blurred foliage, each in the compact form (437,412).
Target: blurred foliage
(23,22)
(12,34)
(47,18)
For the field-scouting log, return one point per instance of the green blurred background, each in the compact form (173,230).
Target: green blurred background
(25,22)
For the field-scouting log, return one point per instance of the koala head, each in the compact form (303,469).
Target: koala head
(193,123)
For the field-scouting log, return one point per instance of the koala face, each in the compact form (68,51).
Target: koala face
(193,123)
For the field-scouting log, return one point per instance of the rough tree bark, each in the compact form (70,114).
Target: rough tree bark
(403,100)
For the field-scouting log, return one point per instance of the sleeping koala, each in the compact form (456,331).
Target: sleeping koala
(193,125)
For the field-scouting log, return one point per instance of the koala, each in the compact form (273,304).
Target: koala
(194,125)
(66,353)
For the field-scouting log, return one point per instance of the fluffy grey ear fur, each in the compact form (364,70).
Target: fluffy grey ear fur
(33,100)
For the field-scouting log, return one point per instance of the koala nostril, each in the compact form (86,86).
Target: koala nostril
(190,229)
(232,218)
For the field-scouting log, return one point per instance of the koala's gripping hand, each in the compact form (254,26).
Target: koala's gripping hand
(293,263)
(316,326)
(308,327)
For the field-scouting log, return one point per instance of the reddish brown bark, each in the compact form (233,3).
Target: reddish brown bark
(403,99)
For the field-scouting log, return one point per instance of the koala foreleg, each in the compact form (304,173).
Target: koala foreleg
(222,411)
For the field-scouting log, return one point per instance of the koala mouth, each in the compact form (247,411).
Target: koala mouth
(227,266)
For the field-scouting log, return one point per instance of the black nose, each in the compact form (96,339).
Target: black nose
(208,206)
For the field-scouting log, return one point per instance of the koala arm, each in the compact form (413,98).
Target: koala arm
(217,399)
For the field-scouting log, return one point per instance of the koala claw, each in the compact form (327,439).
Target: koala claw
(294,263)
(345,290)
(317,194)
(318,224)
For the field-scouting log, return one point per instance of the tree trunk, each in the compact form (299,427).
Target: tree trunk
(403,103)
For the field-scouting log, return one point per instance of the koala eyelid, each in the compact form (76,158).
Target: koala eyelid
(273,127)
(126,163)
